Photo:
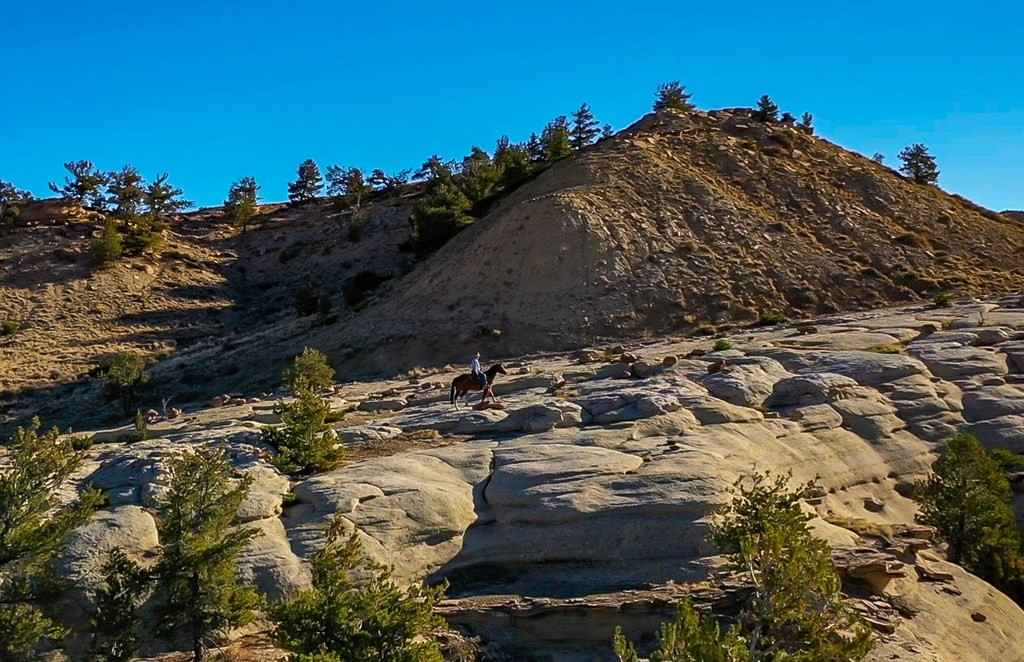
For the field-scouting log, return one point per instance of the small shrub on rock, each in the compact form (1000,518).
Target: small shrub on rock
(9,327)
(108,247)
(124,378)
(722,345)
(305,442)
(341,618)
(309,370)
(114,625)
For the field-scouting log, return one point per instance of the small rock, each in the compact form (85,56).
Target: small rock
(978,617)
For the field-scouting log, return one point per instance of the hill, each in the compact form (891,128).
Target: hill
(682,223)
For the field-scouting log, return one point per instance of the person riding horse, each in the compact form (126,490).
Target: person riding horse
(478,372)
(476,380)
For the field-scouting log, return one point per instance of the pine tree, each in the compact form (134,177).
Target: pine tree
(584,127)
(340,618)
(11,201)
(347,184)
(124,378)
(512,162)
(310,369)
(440,215)
(308,185)
(114,624)
(242,202)
(125,194)
(34,524)
(196,580)
(689,637)
(478,175)
(535,148)
(672,95)
(878,158)
(807,122)
(433,169)
(305,442)
(918,164)
(161,199)
(555,140)
(606,131)
(84,186)
(767,110)
(108,247)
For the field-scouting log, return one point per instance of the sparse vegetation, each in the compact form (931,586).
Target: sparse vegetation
(85,185)
(11,201)
(241,204)
(770,318)
(108,247)
(795,610)
(918,164)
(969,501)
(347,185)
(124,377)
(114,625)
(342,618)
(556,139)
(33,526)
(878,158)
(305,442)
(310,370)
(9,328)
(308,185)
(807,123)
(722,345)
(199,591)
(943,299)
(672,95)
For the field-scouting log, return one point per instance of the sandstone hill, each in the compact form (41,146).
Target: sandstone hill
(681,223)
(583,504)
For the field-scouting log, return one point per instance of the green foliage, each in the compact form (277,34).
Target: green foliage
(555,140)
(770,318)
(308,184)
(85,185)
(9,327)
(108,247)
(125,377)
(478,175)
(943,299)
(512,162)
(141,427)
(919,164)
(310,299)
(807,122)
(161,199)
(606,131)
(969,501)
(196,581)
(722,345)
(305,442)
(114,626)
(125,194)
(878,158)
(11,201)
(796,608)
(33,527)
(129,196)
(688,638)
(382,181)
(310,370)
(342,619)
(584,127)
(767,110)
(242,202)
(348,185)
(440,215)
(672,95)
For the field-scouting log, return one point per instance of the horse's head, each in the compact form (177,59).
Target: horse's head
(498,369)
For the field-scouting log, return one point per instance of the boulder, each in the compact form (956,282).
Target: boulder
(811,389)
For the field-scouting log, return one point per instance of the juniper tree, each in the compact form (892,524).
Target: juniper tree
(11,200)
(348,184)
(108,247)
(309,369)
(555,139)
(309,183)
(305,441)
(767,110)
(34,524)
(114,624)
(918,164)
(584,127)
(672,95)
(124,378)
(161,199)
(241,204)
(439,215)
(84,186)
(199,589)
(342,618)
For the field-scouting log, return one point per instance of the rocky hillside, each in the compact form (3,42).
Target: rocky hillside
(583,503)
(682,223)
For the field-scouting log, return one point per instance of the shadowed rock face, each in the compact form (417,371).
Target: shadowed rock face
(592,483)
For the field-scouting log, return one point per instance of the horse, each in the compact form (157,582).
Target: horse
(468,382)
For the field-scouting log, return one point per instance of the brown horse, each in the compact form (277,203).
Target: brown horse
(467,382)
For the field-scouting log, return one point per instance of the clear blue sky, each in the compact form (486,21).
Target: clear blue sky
(214,91)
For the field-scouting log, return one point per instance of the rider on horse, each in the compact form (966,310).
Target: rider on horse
(478,372)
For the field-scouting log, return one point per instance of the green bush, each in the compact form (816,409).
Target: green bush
(795,608)
(340,619)
(310,370)
(9,327)
(771,318)
(107,248)
(125,377)
(305,442)
(722,345)
(114,625)
(943,299)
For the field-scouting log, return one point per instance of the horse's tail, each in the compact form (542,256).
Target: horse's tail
(451,396)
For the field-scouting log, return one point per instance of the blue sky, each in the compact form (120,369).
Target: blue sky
(211,92)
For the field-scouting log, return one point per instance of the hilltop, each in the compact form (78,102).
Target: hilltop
(683,223)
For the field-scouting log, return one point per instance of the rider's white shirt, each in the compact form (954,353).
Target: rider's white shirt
(475,366)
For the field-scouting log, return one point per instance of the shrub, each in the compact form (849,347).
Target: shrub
(770,318)
(305,442)
(767,110)
(310,370)
(943,299)
(35,525)
(114,624)
(441,215)
(722,345)
(108,247)
(196,579)
(795,609)
(124,377)
(342,619)
(969,502)
(9,327)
